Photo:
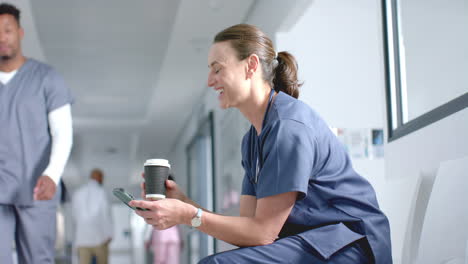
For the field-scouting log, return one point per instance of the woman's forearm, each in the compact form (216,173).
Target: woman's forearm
(260,223)
(239,231)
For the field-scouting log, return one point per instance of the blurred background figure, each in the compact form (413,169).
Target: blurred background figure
(62,246)
(165,245)
(93,221)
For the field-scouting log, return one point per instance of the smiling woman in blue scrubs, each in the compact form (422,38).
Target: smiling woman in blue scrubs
(301,201)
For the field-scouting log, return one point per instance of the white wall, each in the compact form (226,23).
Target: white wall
(31,45)
(338,46)
(178,156)
(424,149)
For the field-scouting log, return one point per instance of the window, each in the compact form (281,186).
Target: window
(426,56)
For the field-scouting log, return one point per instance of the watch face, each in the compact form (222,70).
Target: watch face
(196,222)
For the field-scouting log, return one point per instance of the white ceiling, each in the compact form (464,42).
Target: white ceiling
(108,51)
(136,69)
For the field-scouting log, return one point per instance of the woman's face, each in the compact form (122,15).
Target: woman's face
(228,75)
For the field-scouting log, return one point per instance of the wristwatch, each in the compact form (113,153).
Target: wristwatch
(196,220)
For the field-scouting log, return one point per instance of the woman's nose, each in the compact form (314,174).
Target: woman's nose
(211,80)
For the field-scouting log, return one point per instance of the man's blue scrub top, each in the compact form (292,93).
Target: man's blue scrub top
(335,205)
(25,140)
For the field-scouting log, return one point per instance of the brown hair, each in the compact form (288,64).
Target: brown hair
(279,71)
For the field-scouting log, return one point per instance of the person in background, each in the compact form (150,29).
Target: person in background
(166,244)
(93,224)
(35,143)
(302,201)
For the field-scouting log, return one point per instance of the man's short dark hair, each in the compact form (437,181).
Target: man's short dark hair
(10,9)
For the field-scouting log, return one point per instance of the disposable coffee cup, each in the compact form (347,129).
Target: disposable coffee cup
(156,173)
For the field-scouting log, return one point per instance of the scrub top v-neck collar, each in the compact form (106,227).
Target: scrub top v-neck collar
(259,163)
(15,77)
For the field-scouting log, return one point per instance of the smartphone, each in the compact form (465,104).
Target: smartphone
(126,198)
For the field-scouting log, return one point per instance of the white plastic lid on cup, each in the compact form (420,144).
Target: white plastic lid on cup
(157,162)
(155,196)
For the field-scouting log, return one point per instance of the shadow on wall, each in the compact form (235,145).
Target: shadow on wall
(423,190)
(444,234)
(428,215)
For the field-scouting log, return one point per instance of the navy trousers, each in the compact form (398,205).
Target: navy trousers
(291,249)
(32,229)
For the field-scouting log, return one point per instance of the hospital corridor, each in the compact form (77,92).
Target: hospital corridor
(247,131)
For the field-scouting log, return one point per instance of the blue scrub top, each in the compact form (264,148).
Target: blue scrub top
(335,205)
(25,140)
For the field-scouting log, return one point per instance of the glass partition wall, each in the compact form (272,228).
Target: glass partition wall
(200,186)
(426,55)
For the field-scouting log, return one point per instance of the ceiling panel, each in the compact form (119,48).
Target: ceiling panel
(110,48)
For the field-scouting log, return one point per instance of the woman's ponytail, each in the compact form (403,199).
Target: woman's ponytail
(285,75)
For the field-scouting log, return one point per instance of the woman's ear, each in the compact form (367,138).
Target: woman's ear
(253,63)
